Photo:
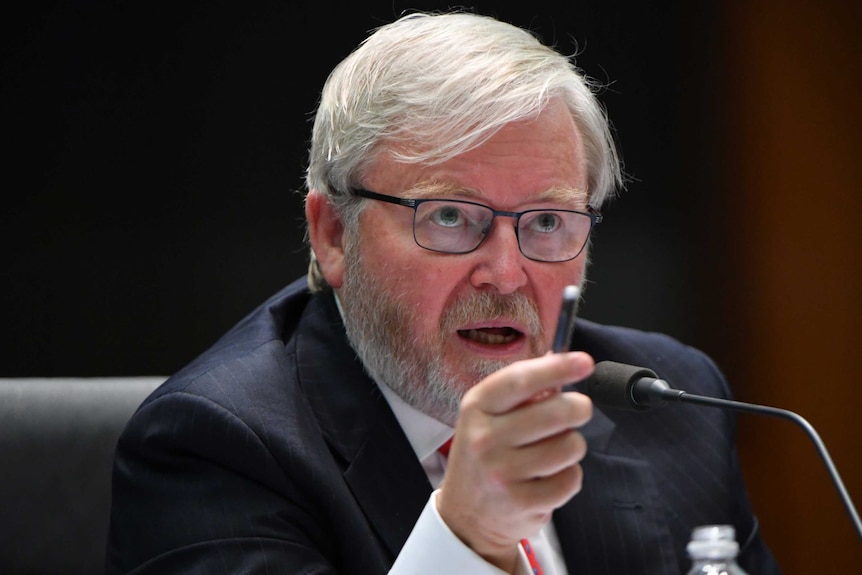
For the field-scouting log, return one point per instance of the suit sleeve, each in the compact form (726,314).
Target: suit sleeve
(197,491)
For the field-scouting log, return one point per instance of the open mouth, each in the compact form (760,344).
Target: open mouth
(491,335)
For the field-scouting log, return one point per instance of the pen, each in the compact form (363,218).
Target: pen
(566,323)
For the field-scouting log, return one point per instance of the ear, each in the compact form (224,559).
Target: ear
(325,232)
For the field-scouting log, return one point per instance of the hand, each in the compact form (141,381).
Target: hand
(516,454)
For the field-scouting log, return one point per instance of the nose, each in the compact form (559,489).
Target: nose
(500,263)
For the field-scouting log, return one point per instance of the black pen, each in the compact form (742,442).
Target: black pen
(566,323)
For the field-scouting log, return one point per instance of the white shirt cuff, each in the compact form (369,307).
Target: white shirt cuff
(432,544)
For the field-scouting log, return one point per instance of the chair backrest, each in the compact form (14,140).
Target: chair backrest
(57,440)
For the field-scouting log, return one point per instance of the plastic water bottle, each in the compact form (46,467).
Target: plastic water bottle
(713,550)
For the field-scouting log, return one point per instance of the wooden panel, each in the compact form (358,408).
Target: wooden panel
(793,146)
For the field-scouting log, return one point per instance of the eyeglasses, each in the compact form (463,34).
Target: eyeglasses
(460,227)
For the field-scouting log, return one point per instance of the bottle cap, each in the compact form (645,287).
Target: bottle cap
(713,542)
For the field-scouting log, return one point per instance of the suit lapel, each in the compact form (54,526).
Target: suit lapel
(389,484)
(379,464)
(615,524)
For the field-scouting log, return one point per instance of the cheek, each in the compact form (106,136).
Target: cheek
(429,287)
(419,281)
(424,282)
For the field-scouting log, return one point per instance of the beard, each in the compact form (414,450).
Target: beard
(380,326)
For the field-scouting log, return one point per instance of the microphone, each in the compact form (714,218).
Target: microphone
(620,386)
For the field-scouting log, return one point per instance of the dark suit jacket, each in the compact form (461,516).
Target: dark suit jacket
(273,452)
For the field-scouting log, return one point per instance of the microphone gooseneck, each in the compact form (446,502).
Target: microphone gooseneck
(620,386)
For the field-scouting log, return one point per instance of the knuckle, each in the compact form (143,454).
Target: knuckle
(577,444)
(580,408)
(566,484)
(471,402)
(572,449)
(571,480)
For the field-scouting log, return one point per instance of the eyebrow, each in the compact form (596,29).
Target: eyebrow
(557,194)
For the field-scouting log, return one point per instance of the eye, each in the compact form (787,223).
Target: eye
(447,216)
(544,222)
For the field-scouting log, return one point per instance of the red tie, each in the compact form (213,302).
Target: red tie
(528,549)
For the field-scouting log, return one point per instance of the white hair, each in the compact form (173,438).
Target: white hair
(429,87)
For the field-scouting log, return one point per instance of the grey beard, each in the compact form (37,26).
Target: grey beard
(378,326)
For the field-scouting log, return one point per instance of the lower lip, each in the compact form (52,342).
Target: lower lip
(515,346)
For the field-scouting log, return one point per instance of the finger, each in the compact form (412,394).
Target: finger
(521,381)
(549,456)
(541,459)
(537,420)
(548,493)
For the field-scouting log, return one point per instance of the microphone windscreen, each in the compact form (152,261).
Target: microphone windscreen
(611,383)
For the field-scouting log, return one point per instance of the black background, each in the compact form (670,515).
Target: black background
(155,155)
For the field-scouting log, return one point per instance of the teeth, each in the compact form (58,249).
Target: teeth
(490,338)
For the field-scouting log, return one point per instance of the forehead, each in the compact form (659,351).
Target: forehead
(541,159)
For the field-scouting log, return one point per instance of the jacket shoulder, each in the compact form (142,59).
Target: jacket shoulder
(261,339)
(681,365)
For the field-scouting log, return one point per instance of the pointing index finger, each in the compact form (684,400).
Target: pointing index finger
(521,381)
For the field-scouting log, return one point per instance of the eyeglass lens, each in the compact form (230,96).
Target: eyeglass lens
(460,227)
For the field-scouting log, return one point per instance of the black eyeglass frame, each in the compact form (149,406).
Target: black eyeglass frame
(593,214)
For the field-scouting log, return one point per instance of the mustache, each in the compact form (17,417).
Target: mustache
(487,305)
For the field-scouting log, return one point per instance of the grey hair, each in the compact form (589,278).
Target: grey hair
(429,87)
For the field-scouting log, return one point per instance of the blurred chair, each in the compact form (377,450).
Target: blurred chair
(57,439)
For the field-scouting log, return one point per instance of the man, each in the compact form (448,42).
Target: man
(455,172)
